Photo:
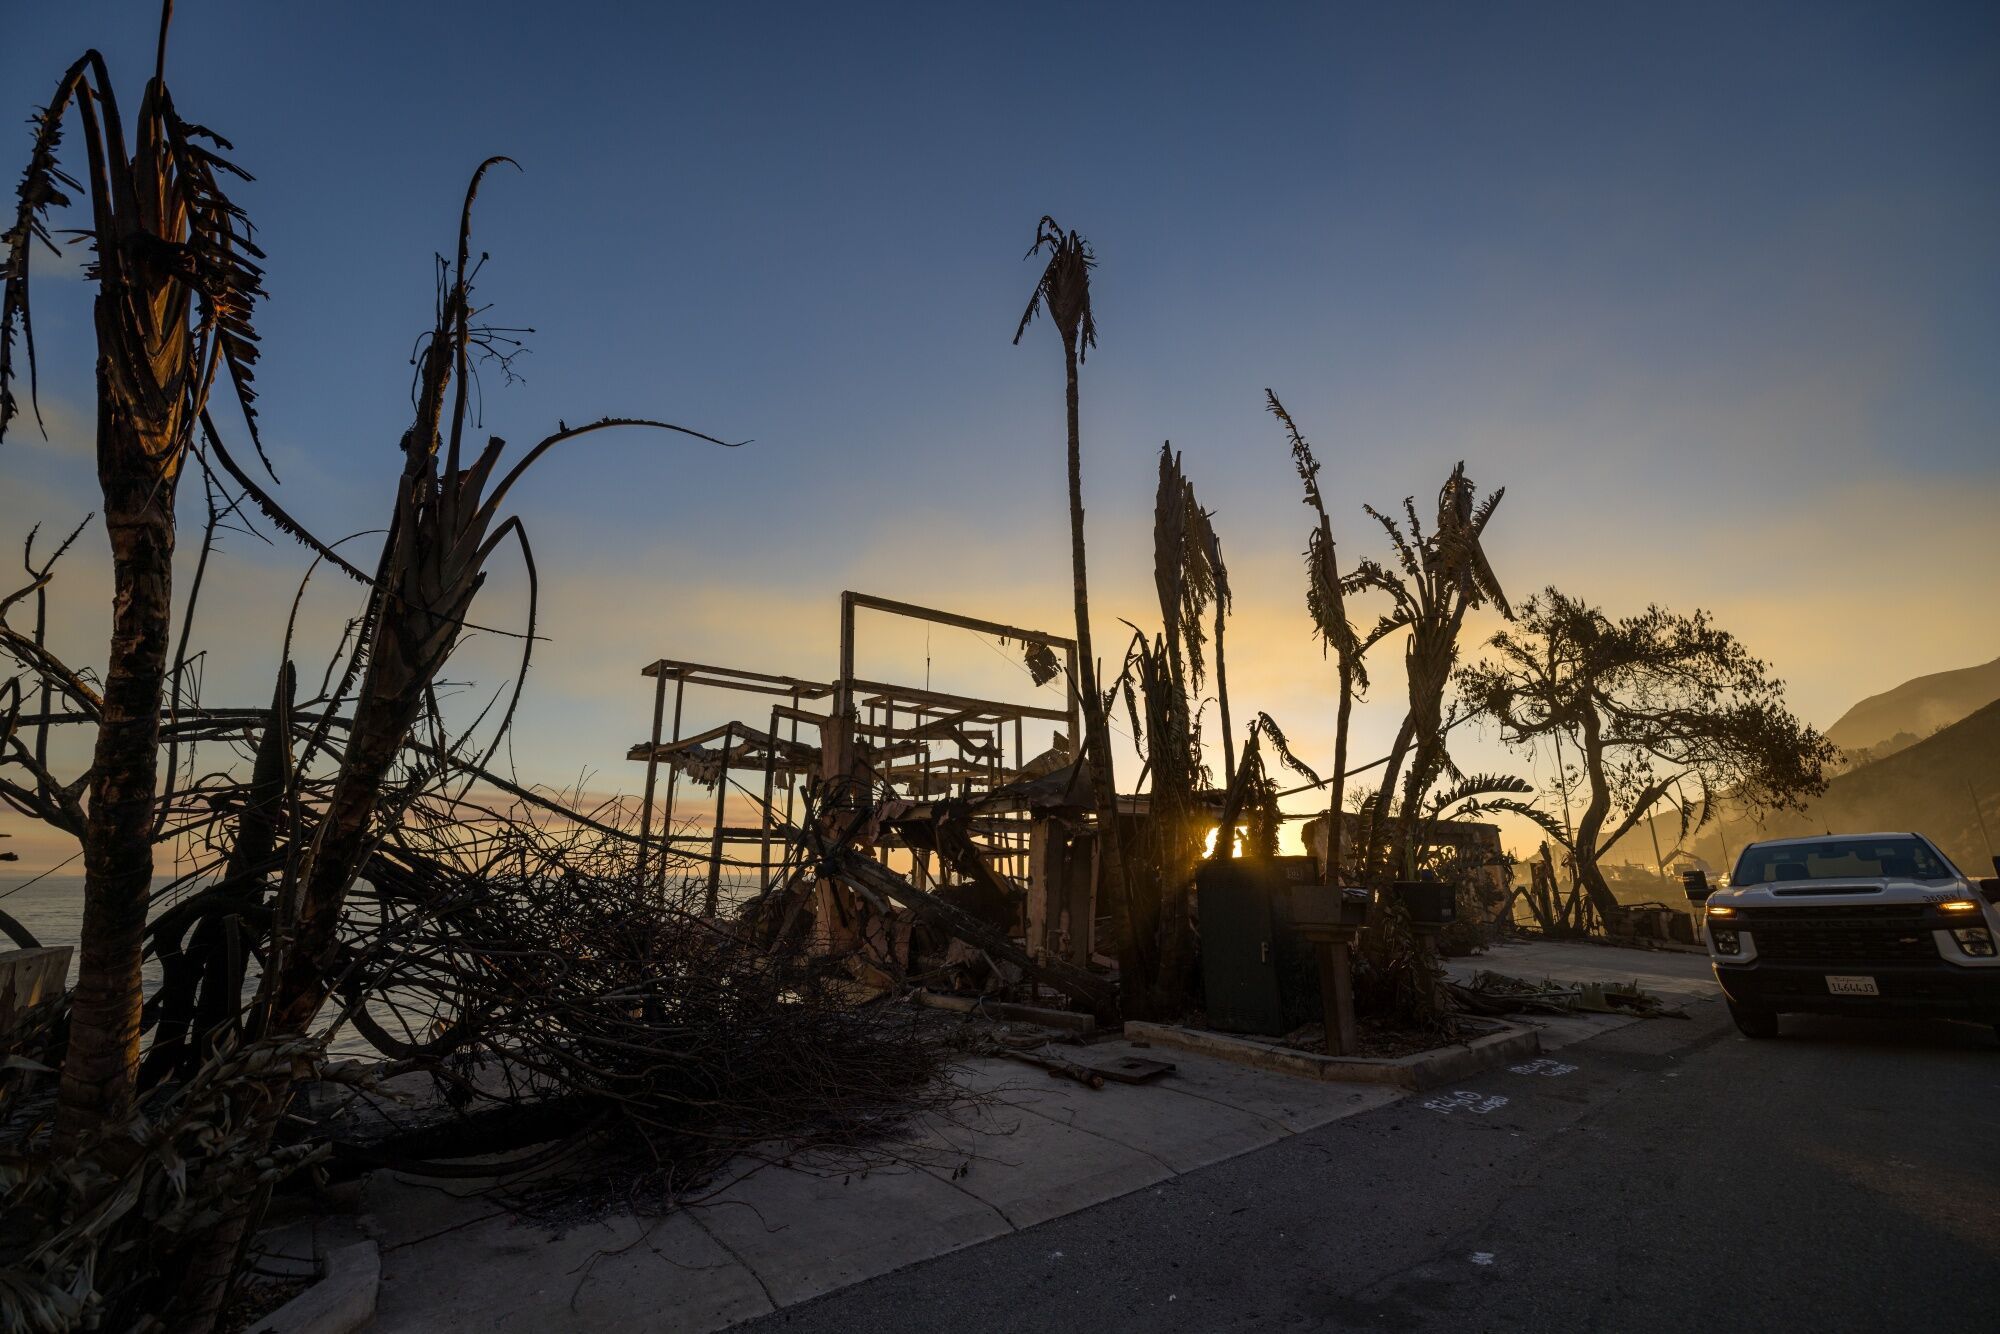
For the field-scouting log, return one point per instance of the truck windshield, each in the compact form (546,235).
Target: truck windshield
(1841,859)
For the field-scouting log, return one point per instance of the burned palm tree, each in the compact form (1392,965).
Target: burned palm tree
(176,277)
(1187,570)
(1443,575)
(1326,603)
(1063,292)
(445,529)
(1162,683)
(1223,602)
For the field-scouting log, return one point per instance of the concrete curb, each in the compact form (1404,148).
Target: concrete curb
(1424,1070)
(341,1302)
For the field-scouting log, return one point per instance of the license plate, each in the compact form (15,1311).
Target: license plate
(1851,986)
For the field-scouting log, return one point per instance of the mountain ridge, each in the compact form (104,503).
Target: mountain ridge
(1946,786)
(1917,708)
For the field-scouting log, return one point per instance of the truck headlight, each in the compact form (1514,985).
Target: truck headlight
(1725,940)
(1974,940)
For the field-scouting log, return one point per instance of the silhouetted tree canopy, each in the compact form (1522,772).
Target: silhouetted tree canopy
(1660,707)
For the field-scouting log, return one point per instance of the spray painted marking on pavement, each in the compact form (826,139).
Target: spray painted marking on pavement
(1479,1104)
(1542,1067)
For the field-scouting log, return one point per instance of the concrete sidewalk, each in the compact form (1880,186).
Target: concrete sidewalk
(1031,1149)
(1026,1149)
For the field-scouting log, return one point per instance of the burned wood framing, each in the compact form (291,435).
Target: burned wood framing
(936,791)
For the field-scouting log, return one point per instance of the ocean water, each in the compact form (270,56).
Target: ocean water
(52,909)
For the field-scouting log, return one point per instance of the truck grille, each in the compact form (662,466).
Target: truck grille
(1858,934)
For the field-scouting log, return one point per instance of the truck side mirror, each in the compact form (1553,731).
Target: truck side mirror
(1990,890)
(1695,883)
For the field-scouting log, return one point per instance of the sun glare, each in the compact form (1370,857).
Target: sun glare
(1235,848)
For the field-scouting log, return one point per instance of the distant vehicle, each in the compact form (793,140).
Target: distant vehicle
(1853,924)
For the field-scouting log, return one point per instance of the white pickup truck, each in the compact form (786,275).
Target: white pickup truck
(1853,924)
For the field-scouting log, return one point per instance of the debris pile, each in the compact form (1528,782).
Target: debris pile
(1496,993)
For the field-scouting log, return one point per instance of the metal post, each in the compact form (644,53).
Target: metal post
(1071,701)
(652,774)
(770,777)
(791,780)
(888,767)
(715,838)
(673,777)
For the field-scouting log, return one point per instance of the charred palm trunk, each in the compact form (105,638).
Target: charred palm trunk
(410,643)
(1433,649)
(1140,954)
(101,1066)
(1378,824)
(1337,783)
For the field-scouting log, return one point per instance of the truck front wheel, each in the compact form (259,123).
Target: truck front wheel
(1754,1023)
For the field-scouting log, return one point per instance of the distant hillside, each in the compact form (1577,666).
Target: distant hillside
(1917,708)
(1929,787)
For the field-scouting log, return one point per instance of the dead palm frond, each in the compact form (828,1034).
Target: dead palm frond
(1064,289)
(174,258)
(1187,566)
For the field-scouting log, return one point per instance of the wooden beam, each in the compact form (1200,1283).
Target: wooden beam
(995,628)
(676,667)
(741,687)
(912,695)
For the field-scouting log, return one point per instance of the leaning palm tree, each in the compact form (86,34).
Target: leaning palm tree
(1064,293)
(176,277)
(444,531)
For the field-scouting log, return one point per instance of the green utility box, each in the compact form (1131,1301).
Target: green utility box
(1257,972)
(1239,956)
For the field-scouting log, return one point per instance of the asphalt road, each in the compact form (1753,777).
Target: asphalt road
(1845,1177)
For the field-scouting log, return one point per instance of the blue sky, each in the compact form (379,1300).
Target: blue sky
(1713,290)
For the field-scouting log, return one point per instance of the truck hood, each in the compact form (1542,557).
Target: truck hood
(1857,890)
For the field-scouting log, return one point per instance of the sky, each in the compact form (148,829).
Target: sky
(1712,290)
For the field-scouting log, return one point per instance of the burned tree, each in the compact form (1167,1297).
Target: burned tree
(1440,576)
(164,1154)
(1326,603)
(1063,291)
(444,530)
(176,277)
(1162,683)
(1662,708)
